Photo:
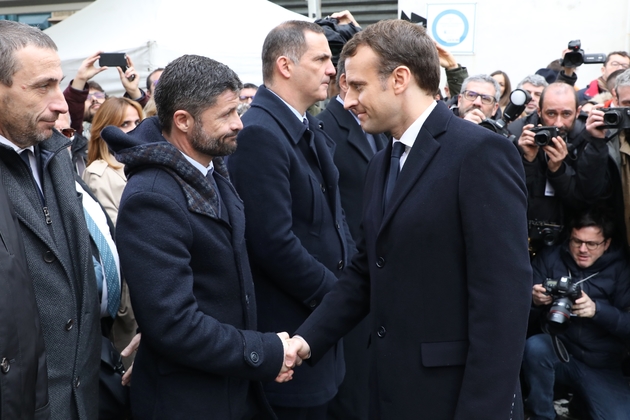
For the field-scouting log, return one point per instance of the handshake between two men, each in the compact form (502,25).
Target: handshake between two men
(296,349)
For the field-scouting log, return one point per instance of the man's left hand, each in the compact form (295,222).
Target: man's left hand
(584,307)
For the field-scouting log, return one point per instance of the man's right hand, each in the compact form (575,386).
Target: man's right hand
(87,71)
(539,297)
(527,144)
(595,119)
(296,349)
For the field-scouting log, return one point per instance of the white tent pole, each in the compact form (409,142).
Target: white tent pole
(315,9)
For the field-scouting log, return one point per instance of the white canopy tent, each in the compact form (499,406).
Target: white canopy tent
(154,32)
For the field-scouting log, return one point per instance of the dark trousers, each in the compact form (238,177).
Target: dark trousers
(301,413)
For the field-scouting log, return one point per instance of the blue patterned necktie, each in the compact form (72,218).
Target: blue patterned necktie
(112,276)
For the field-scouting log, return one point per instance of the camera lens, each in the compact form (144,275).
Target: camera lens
(542,138)
(611,118)
(559,314)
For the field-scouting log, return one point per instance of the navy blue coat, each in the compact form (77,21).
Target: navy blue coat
(445,272)
(190,285)
(297,237)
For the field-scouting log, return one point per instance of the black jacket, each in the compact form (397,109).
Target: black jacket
(600,342)
(23,373)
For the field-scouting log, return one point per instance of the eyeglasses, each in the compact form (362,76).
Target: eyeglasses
(96,95)
(245,97)
(591,246)
(618,64)
(68,132)
(471,96)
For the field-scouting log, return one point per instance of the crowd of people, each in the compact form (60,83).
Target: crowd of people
(345,241)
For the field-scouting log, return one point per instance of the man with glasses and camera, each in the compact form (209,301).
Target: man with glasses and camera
(593,326)
(479,98)
(614,61)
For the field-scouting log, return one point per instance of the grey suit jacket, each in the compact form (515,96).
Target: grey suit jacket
(59,261)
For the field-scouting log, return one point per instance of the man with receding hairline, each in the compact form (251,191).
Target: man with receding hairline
(297,238)
(443,266)
(38,174)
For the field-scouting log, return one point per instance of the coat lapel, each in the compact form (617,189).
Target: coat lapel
(424,149)
(356,136)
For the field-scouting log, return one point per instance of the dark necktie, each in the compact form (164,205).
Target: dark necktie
(394,169)
(24,154)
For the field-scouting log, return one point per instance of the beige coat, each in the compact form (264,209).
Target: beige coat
(107,184)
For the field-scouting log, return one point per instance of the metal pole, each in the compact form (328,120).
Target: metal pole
(314,9)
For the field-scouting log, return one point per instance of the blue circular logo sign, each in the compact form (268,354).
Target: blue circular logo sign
(450,28)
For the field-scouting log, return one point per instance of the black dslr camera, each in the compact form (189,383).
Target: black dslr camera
(616,118)
(544,134)
(544,232)
(564,293)
(576,57)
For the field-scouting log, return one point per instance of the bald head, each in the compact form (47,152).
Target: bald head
(558,107)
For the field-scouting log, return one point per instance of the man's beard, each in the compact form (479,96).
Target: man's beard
(211,146)
(22,130)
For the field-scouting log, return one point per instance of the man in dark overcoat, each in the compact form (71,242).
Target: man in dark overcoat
(443,266)
(180,233)
(297,237)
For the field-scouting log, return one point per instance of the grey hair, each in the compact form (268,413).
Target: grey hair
(286,39)
(484,78)
(622,80)
(533,79)
(13,37)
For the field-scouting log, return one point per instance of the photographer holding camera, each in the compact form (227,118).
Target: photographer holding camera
(559,165)
(596,334)
(607,131)
(479,99)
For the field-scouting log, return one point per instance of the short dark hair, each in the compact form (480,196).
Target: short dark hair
(400,43)
(249,86)
(192,83)
(151,74)
(13,37)
(94,86)
(621,53)
(286,39)
(596,217)
(557,84)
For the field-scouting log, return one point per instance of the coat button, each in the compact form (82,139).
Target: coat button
(312,303)
(380,262)
(247,298)
(322,187)
(254,357)
(69,324)
(340,265)
(381,332)
(77,382)
(338,226)
(49,256)
(5,365)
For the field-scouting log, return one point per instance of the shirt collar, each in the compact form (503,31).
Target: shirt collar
(409,136)
(295,111)
(203,169)
(13,146)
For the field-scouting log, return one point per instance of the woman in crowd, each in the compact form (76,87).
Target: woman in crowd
(506,88)
(104,174)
